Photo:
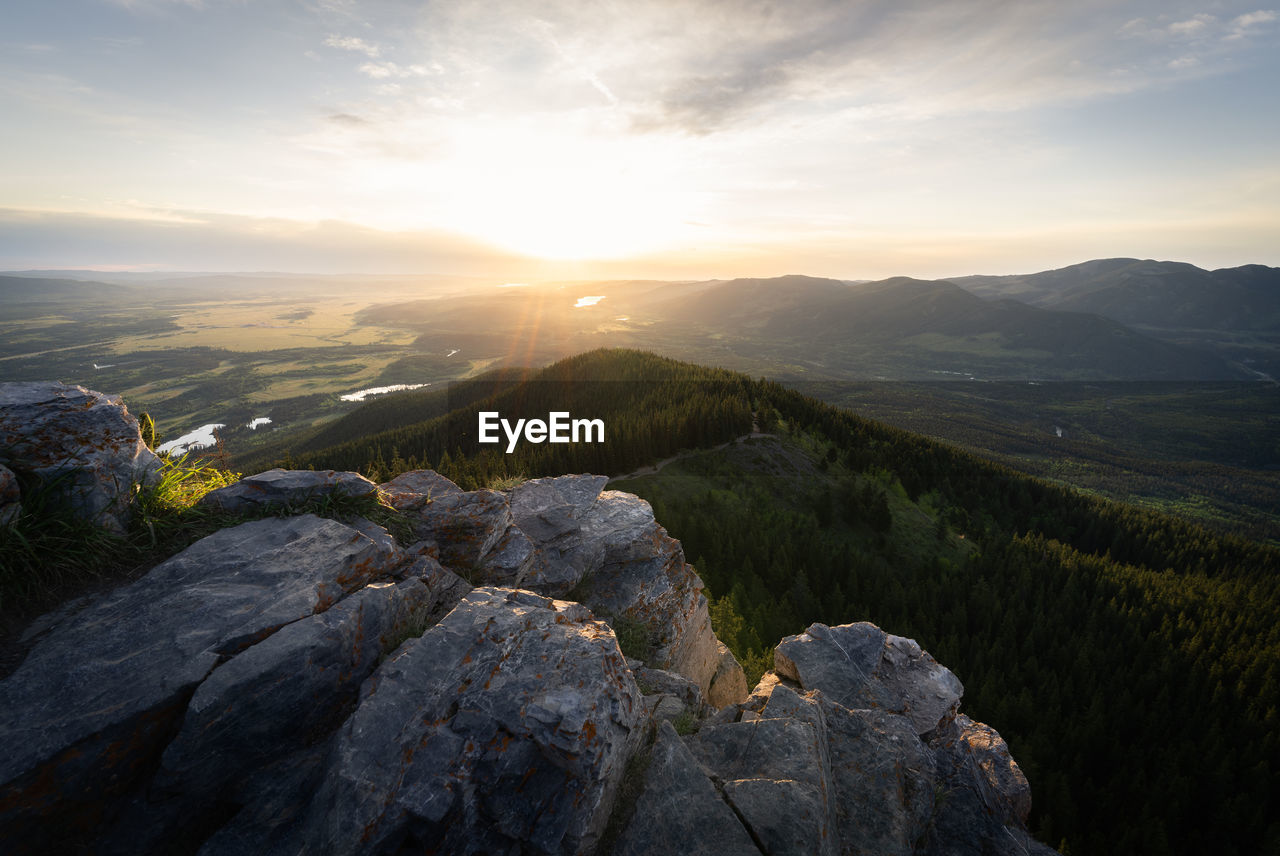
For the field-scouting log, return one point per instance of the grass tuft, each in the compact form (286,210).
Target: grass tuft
(633,638)
(48,554)
(505,483)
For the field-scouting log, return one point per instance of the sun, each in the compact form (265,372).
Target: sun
(559,196)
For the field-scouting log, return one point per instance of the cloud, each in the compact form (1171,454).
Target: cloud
(1192,26)
(223,242)
(385,70)
(354,43)
(153,5)
(347,119)
(1200,27)
(1249,23)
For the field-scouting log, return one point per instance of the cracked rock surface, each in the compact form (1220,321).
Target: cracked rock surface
(84,446)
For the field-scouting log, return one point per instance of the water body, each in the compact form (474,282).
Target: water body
(201,438)
(451,353)
(588,301)
(362,394)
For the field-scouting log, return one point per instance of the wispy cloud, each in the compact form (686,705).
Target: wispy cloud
(1251,23)
(384,70)
(155,5)
(354,43)
(347,119)
(1193,26)
(709,66)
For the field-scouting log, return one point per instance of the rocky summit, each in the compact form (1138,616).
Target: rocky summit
(301,685)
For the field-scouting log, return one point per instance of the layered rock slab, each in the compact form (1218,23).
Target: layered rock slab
(83,446)
(986,796)
(567,536)
(288,489)
(506,727)
(102,692)
(695,820)
(861,666)
(417,488)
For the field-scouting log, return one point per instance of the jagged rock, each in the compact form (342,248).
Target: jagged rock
(83,445)
(444,587)
(898,787)
(775,775)
(268,707)
(563,534)
(105,689)
(679,811)
(236,699)
(659,682)
(286,488)
(643,577)
(556,514)
(247,712)
(861,666)
(550,507)
(667,695)
(10,496)
(413,490)
(884,776)
(729,682)
(504,728)
(476,535)
(986,798)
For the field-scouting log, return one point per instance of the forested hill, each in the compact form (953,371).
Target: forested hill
(1132,660)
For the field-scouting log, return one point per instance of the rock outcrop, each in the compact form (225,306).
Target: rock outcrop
(303,685)
(81,446)
(568,537)
(286,489)
(805,774)
(506,726)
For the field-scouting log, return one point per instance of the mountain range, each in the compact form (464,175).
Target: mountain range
(1102,320)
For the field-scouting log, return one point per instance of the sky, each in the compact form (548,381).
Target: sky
(673,138)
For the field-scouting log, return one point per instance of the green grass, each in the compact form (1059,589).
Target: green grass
(633,638)
(506,482)
(48,554)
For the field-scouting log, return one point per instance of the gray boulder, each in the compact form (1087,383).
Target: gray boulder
(986,797)
(885,778)
(287,489)
(105,688)
(903,772)
(415,489)
(476,535)
(549,508)
(861,666)
(642,577)
(557,515)
(728,683)
(775,775)
(83,445)
(10,496)
(504,728)
(288,690)
(667,695)
(567,537)
(679,810)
